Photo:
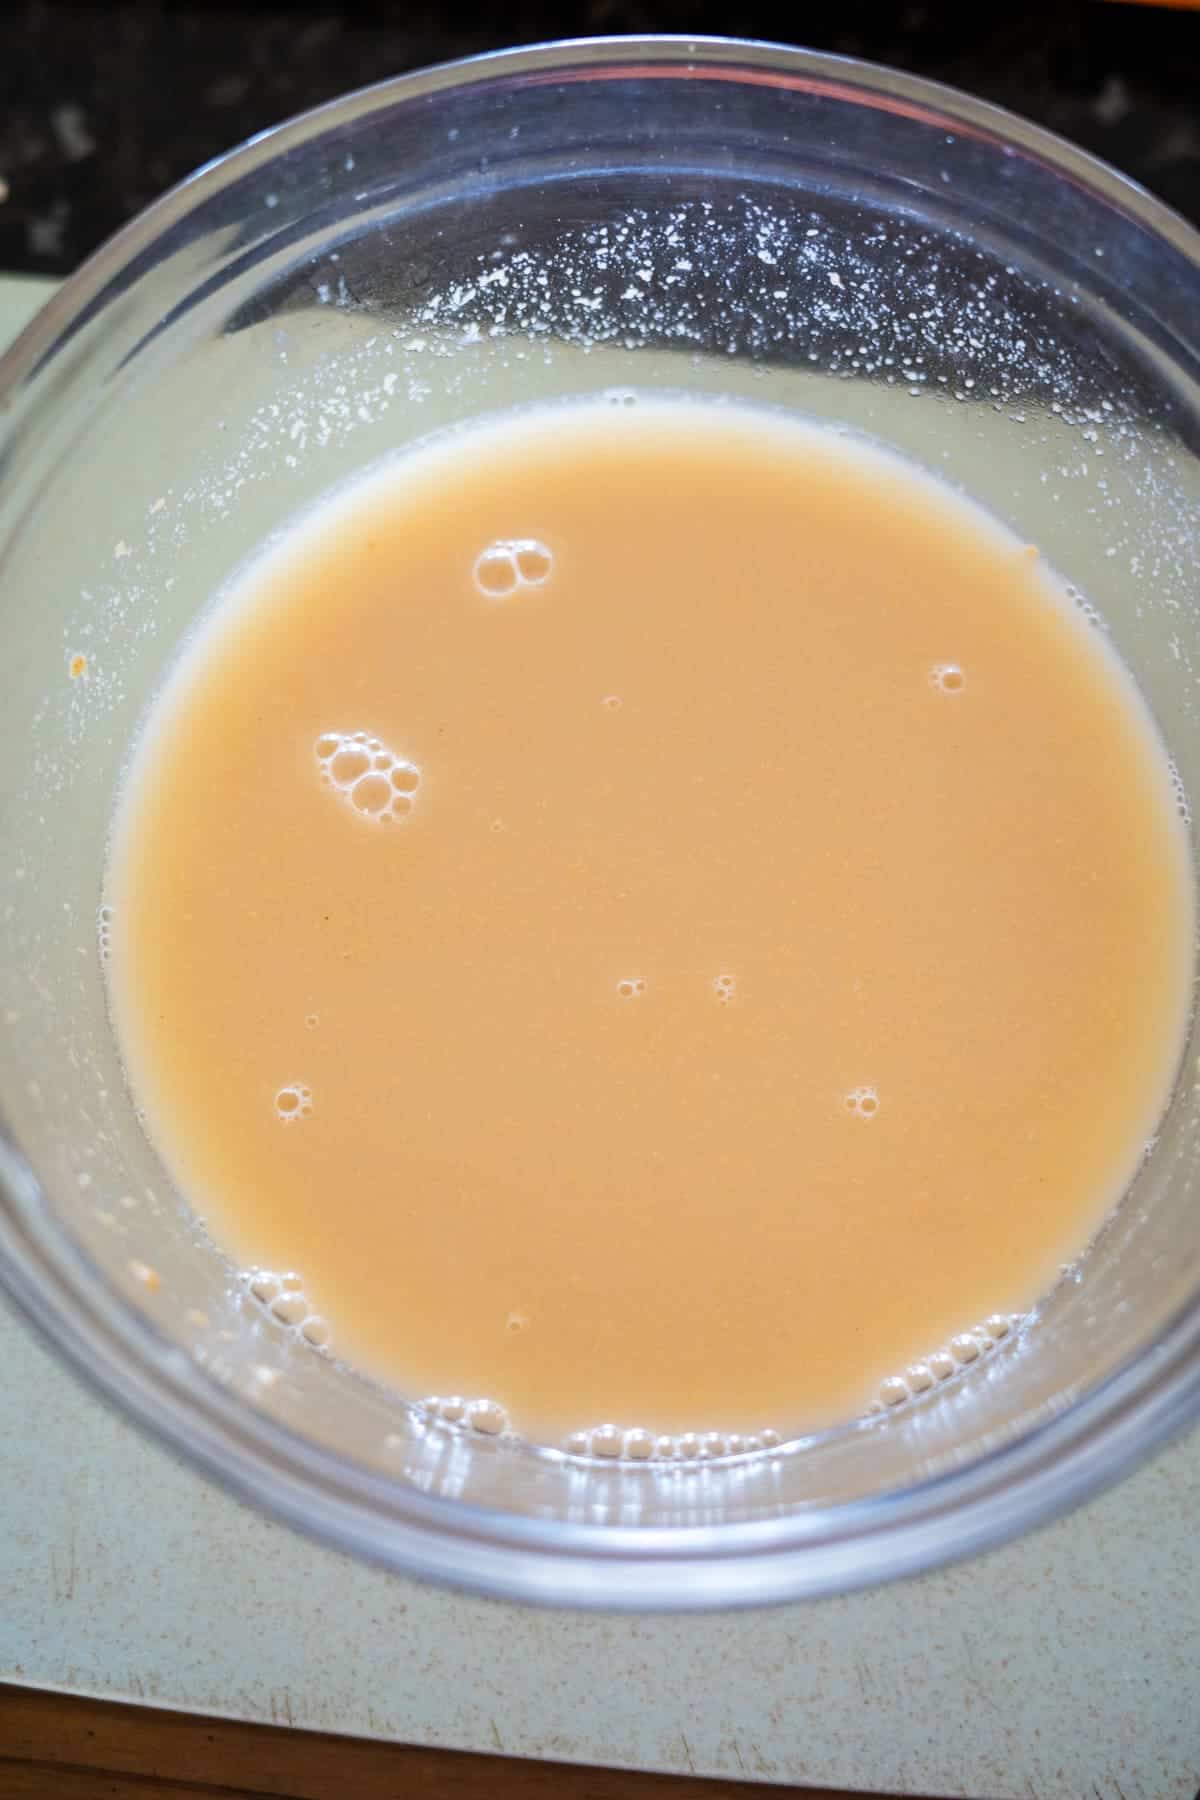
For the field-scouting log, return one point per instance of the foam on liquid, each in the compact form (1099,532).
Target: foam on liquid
(706,946)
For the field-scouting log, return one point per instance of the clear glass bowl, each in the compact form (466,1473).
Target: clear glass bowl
(721,217)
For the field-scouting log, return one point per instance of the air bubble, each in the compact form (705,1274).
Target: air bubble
(639,1445)
(607,1441)
(894,1390)
(290,1309)
(496,573)
(315,1331)
(150,1278)
(371,793)
(77,667)
(347,766)
(863,1102)
(947,678)
(724,987)
(487,1416)
(631,987)
(293,1102)
(613,702)
(964,1348)
(512,563)
(534,564)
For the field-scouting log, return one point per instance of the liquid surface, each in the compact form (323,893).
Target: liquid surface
(657,914)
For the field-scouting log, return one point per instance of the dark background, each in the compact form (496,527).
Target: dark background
(104,103)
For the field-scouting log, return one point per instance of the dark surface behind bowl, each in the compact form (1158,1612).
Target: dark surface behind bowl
(104,103)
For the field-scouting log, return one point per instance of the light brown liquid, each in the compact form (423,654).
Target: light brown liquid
(773,958)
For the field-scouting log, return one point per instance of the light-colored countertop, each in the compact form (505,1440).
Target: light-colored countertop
(1061,1668)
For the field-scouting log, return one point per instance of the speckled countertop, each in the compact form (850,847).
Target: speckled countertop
(103,103)
(1063,1667)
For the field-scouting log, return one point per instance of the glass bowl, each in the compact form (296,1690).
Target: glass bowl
(728,218)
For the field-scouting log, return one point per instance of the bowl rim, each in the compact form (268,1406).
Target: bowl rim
(1042,1472)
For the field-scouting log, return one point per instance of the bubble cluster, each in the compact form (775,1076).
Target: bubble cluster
(284,1298)
(863,1102)
(947,678)
(485,1416)
(377,783)
(967,1348)
(619,1443)
(631,988)
(104,932)
(724,987)
(1090,612)
(512,563)
(1182,805)
(293,1102)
